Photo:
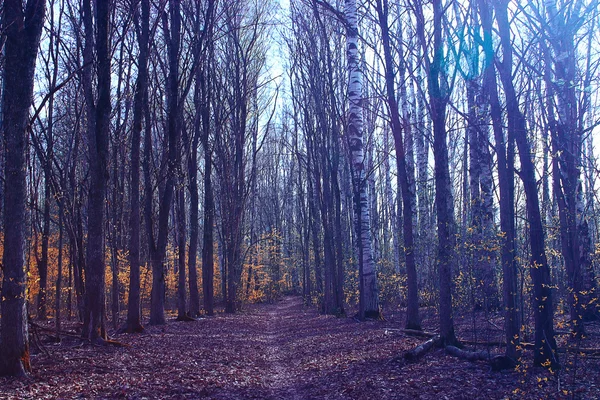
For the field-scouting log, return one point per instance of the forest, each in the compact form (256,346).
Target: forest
(296,199)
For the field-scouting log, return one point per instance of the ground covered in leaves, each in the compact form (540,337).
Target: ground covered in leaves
(286,351)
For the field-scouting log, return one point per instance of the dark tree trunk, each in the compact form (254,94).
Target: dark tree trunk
(181,244)
(208,264)
(194,229)
(444,202)
(412,313)
(22,29)
(59,272)
(172,31)
(134,323)
(316,241)
(545,344)
(567,146)
(507,190)
(43,264)
(98,132)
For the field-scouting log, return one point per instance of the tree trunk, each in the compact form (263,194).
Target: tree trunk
(22,30)
(507,191)
(59,272)
(98,131)
(444,199)
(181,245)
(208,264)
(369,292)
(412,313)
(134,323)
(567,145)
(172,31)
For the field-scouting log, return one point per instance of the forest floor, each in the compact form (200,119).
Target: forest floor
(286,351)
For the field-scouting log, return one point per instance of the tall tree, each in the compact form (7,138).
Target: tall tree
(22,30)
(437,87)
(142,22)
(369,292)
(567,129)
(171,24)
(545,344)
(97,57)
(506,183)
(412,313)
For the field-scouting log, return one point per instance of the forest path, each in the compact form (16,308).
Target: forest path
(279,351)
(280,320)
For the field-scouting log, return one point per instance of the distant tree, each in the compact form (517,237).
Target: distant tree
(241,57)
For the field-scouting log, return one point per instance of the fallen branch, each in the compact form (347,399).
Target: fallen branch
(419,351)
(482,344)
(53,331)
(412,332)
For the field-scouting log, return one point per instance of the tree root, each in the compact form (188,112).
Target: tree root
(127,328)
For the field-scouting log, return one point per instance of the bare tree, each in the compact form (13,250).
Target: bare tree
(142,22)
(97,58)
(437,87)
(408,200)
(545,344)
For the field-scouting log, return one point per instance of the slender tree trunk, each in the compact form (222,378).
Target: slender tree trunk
(172,30)
(208,264)
(43,264)
(507,191)
(59,272)
(134,323)
(444,199)
(412,314)
(181,244)
(567,144)
(194,228)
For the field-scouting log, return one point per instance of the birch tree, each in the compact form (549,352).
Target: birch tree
(369,294)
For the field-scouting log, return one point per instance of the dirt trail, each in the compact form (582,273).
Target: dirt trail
(281,373)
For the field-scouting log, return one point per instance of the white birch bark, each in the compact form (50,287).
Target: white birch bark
(369,302)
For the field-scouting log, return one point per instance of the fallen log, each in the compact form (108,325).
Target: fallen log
(496,362)
(472,356)
(419,351)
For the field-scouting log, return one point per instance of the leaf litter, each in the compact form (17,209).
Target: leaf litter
(286,351)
